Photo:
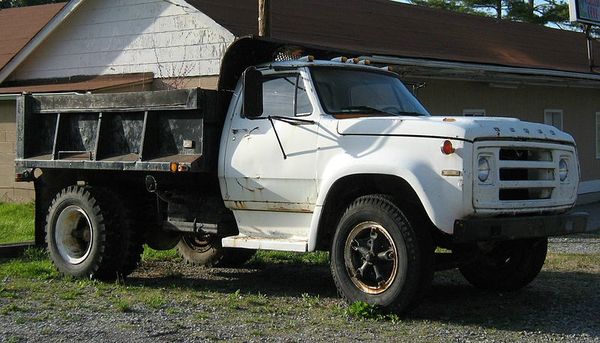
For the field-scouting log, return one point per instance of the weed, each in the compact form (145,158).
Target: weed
(14,339)
(11,308)
(122,305)
(155,301)
(362,310)
(282,257)
(5,293)
(150,254)
(310,301)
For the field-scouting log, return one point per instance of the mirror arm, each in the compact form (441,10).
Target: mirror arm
(277,135)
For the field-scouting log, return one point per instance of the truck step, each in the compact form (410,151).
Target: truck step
(247,242)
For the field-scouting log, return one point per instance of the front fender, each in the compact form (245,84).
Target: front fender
(444,198)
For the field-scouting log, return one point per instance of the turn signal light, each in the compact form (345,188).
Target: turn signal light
(447,148)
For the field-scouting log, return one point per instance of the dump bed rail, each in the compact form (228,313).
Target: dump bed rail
(144,131)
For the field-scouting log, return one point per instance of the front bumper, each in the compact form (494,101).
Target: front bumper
(508,228)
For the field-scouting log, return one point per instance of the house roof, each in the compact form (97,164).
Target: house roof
(19,26)
(383,27)
(80,84)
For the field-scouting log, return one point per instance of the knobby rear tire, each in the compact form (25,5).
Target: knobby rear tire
(88,234)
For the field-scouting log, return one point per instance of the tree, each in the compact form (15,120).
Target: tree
(21,3)
(541,12)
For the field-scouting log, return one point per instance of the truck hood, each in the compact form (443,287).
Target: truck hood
(464,128)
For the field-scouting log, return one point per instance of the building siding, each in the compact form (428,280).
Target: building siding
(527,103)
(169,38)
(10,191)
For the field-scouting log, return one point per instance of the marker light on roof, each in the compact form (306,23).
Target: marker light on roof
(365,62)
(307,58)
(341,59)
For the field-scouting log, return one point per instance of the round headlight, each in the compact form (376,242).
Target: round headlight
(563,169)
(483,169)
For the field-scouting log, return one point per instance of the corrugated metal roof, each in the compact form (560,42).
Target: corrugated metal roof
(80,84)
(389,28)
(19,25)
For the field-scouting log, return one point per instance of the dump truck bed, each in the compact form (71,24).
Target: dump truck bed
(140,131)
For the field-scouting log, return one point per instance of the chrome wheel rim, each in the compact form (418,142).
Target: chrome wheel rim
(372,258)
(73,234)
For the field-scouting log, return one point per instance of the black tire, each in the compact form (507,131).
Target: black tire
(507,265)
(88,234)
(208,252)
(372,227)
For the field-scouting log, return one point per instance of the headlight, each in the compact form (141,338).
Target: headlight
(483,169)
(563,169)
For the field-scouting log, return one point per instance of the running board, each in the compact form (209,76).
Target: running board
(264,243)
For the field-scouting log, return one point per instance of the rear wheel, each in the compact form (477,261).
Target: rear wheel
(507,265)
(378,257)
(88,234)
(207,251)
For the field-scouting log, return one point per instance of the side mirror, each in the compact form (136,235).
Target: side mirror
(253,93)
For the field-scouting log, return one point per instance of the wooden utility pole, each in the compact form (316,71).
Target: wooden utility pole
(264,20)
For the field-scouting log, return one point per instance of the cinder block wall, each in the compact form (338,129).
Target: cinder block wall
(10,191)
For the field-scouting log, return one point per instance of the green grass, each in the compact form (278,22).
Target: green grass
(16,222)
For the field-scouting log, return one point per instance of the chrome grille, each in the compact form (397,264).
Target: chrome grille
(524,172)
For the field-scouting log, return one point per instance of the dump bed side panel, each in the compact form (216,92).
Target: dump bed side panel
(143,131)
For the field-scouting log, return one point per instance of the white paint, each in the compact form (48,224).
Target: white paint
(406,147)
(245,242)
(130,36)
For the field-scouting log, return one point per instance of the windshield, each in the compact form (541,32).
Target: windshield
(347,91)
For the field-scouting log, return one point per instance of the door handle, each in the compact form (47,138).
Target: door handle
(236,131)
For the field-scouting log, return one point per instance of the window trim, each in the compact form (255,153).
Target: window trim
(299,78)
(471,112)
(553,111)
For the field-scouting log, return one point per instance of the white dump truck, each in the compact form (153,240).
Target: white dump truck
(302,155)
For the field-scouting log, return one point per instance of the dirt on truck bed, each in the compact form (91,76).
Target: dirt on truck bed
(288,298)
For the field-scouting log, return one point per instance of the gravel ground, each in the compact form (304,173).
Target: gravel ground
(575,245)
(167,301)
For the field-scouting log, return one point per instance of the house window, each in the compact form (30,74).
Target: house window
(554,118)
(474,113)
(598,135)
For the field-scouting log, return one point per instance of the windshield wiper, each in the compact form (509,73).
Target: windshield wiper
(408,113)
(288,120)
(366,109)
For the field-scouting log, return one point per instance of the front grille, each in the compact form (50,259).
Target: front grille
(523,172)
(525,164)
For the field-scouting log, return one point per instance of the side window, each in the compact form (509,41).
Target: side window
(285,96)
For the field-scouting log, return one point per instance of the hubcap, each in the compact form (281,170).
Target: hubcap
(371,258)
(73,234)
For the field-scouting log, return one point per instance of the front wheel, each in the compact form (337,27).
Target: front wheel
(507,265)
(379,257)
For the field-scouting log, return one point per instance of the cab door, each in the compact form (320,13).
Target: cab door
(262,172)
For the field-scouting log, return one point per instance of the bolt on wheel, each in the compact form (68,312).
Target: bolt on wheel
(73,234)
(371,257)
